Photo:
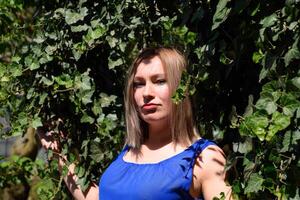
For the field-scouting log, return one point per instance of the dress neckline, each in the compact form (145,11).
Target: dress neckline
(127,148)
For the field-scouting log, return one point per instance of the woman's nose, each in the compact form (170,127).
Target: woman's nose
(148,91)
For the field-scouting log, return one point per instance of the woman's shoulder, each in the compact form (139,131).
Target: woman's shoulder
(213,154)
(200,144)
(210,162)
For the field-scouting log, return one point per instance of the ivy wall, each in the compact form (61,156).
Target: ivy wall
(68,60)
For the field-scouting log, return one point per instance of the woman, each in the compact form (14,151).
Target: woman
(164,158)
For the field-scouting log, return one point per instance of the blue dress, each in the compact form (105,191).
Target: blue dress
(169,179)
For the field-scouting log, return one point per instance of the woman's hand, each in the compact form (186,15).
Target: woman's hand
(49,138)
(49,141)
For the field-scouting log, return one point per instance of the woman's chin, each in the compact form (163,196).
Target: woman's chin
(152,119)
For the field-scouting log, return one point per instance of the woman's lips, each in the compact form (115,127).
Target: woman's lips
(150,106)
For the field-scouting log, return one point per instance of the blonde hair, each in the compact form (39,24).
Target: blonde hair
(181,120)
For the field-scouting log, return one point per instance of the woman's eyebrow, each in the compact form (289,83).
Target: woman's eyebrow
(159,75)
(152,76)
(137,78)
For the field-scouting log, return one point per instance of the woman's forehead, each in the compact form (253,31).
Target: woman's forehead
(150,66)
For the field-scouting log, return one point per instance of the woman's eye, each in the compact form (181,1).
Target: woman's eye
(161,81)
(138,84)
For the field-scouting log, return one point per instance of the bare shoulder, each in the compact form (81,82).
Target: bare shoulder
(210,163)
(209,174)
(213,153)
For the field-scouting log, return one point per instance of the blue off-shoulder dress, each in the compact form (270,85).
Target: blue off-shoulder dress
(169,179)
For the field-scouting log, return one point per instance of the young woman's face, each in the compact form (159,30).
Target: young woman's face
(151,91)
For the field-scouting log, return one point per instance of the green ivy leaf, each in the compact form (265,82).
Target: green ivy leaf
(78,49)
(93,34)
(5,79)
(84,148)
(112,41)
(32,63)
(290,139)
(291,55)
(297,196)
(36,122)
(64,80)
(16,59)
(50,49)
(114,63)
(266,104)
(248,166)
(269,20)
(42,98)
(122,46)
(79,28)
(257,56)
(22,118)
(167,22)
(191,38)
(296,82)
(40,38)
(45,188)
(255,125)
(30,93)
(46,81)
(79,171)
(255,183)
(82,182)
(87,119)
(96,153)
(289,103)
(45,58)
(16,70)
(243,147)
(289,99)
(106,100)
(249,108)
(95,23)
(131,35)
(225,60)
(270,87)
(86,96)
(83,82)
(221,14)
(73,17)
(263,73)
(96,108)
(65,170)
(2,69)
(279,122)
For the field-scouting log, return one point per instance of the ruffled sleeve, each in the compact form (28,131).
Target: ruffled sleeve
(195,151)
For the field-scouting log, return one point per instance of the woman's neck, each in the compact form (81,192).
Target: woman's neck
(158,136)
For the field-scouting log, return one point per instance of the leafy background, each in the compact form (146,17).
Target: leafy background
(68,60)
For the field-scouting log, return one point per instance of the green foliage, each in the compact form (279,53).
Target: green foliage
(69,62)
(44,181)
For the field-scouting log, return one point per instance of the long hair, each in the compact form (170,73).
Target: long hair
(181,120)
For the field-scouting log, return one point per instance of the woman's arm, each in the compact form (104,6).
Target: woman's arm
(49,142)
(209,175)
(92,193)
